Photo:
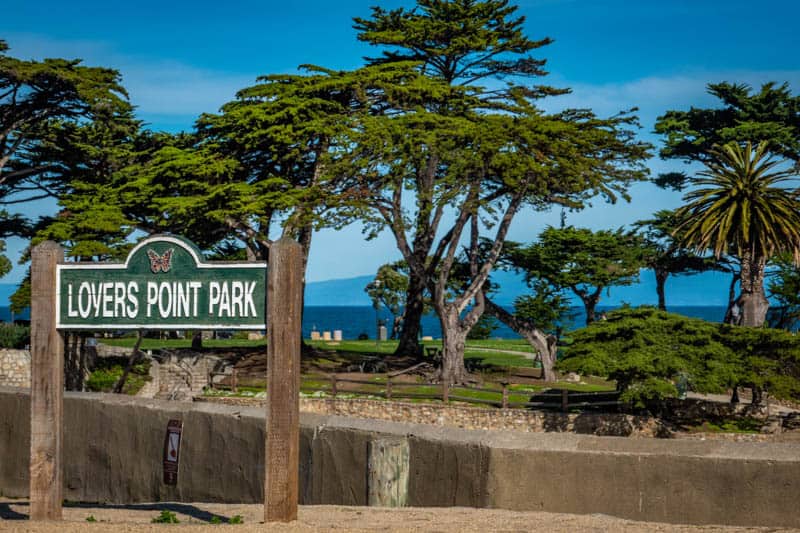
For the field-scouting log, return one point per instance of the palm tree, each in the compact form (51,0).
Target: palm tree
(742,207)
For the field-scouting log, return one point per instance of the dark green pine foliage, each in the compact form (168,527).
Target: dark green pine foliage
(580,260)
(771,114)
(461,42)
(261,163)
(765,360)
(51,112)
(647,352)
(175,187)
(784,289)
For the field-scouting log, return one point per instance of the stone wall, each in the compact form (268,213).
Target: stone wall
(113,450)
(180,376)
(458,416)
(15,368)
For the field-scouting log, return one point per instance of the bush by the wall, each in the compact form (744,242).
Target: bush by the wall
(13,336)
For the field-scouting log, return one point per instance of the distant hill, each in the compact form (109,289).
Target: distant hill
(339,292)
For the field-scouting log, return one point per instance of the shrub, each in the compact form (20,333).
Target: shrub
(166,517)
(647,351)
(108,370)
(13,336)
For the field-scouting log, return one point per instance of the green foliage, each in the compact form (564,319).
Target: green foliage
(581,260)
(741,205)
(12,336)
(546,307)
(389,287)
(37,97)
(215,520)
(461,42)
(483,328)
(166,517)
(766,359)
(22,296)
(91,518)
(769,115)
(64,130)
(738,425)
(108,370)
(645,350)
(784,288)
(236,519)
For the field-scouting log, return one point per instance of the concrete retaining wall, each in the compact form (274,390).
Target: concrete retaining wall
(113,448)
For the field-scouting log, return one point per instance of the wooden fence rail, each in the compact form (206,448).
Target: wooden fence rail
(332,384)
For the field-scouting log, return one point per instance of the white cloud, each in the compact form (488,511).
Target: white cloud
(157,87)
(656,94)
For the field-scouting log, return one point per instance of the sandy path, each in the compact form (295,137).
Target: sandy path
(197,517)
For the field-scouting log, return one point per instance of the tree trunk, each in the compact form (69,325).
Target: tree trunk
(197,340)
(735,395)
(412,317)
(134,357)
(729,314)
(753,301)
(546,346)
(71,362)
(661,282)
(590,304)
(454,339)
(397,324)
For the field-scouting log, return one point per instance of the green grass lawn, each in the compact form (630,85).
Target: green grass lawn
(174,344)
(483,357)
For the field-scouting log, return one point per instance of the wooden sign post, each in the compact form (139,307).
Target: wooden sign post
(165,284)
(284,313)
(47,386)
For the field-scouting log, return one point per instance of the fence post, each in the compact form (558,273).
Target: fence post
(505,395)
(388,388)
(564,400)
(333,385)
(234,380)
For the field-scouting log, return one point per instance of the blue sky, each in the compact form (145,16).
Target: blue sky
(179,59)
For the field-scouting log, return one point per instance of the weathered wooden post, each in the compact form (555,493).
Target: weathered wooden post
(387,472)
(284,311)
(564,400)
(47,386)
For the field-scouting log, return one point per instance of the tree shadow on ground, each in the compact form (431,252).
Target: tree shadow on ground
(7,513)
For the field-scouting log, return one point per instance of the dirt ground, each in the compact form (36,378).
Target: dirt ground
(200,517)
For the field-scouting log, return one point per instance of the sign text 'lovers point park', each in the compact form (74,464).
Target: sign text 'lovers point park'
(163,284)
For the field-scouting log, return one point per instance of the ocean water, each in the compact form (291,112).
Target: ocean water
(354,321)
(7,316)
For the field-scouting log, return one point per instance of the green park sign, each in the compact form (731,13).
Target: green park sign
(163,284)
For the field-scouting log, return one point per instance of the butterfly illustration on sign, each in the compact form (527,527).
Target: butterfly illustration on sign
(160,263)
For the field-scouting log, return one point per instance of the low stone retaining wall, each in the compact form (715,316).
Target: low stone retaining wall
(15,368)
(456,416)
(113,450)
